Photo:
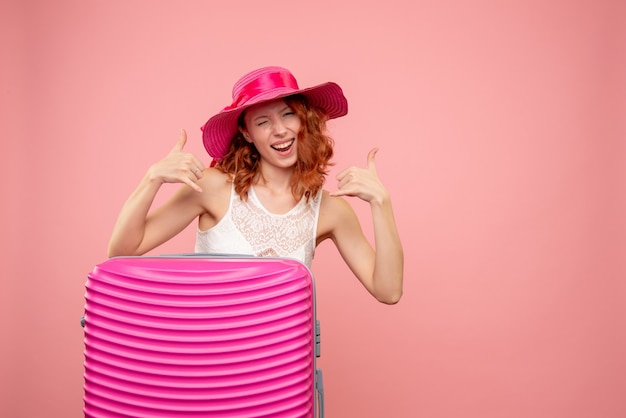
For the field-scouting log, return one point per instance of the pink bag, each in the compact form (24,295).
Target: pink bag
(201,336)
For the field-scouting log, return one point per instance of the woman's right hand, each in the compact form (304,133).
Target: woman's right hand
(178,166)
(137,230)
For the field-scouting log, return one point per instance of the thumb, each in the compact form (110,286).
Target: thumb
(181,142)
(371,159)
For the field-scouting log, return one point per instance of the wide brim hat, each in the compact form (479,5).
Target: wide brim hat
(259,86)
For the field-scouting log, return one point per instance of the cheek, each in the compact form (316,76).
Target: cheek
(254,132)
(258,136)
(295,125)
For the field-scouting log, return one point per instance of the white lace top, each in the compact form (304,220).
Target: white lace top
(248,228)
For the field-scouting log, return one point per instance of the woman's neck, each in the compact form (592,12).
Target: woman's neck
(276,179)
(273,189)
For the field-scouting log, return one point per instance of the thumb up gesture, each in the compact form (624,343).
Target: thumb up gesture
(179,166)
(361,182)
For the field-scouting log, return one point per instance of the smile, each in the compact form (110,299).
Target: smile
(283,146)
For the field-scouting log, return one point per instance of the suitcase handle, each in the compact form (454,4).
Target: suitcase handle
(208,255)
(319,383)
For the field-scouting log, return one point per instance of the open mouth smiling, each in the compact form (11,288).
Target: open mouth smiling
(283,146)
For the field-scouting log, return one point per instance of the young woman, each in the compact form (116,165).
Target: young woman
(263,193)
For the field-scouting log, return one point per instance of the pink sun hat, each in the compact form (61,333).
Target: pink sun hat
(261,85)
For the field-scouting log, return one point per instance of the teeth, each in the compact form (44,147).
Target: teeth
(283,146)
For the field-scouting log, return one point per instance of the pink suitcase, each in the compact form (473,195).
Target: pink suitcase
(201,336)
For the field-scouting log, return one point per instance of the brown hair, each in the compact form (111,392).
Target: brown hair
(315,150)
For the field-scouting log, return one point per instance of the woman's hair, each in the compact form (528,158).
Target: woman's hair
(315,150)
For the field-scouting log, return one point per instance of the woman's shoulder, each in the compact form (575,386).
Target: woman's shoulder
(335,212)
(214,180)
(216,189)
(335,206)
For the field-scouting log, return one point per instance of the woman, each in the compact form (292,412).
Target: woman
(263,193)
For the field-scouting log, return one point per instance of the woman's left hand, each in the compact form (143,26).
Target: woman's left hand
(362,182)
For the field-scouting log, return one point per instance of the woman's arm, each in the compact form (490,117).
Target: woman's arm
(380,269)
(137,231)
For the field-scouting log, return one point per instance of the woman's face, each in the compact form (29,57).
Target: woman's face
(273,129)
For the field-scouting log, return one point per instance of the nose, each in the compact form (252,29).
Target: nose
(279,127)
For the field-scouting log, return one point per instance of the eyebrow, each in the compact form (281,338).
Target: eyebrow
(287,107)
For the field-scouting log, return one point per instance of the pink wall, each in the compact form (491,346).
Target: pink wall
(502,139)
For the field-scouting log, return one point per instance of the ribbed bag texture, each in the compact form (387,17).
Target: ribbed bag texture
(199,337)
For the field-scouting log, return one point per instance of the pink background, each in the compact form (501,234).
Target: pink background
(502,139)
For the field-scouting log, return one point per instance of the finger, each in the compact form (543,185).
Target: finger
(195,187)
(344,181)
(339,192)
(371,159)
(343,173)
(181,141)
(345,187)
(342,192)
(191,184)
(197,172)
(198,163)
